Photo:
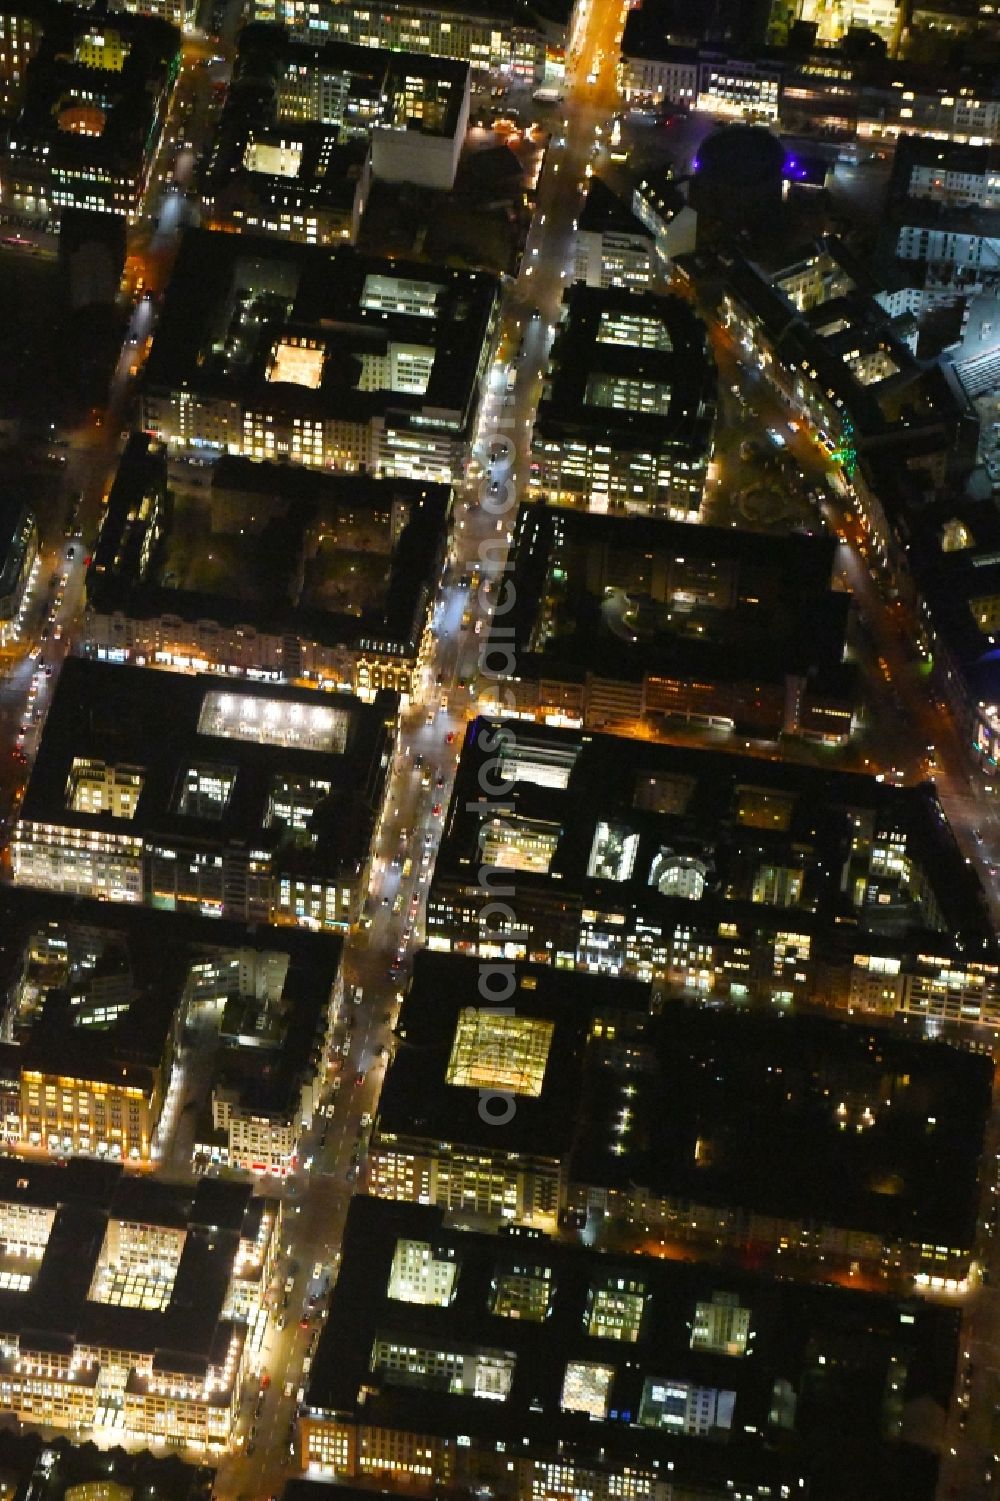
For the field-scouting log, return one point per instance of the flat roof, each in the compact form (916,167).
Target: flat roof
(793,1331)
(592,596)
(603,211)
(587,347)
(800,1117)
(417,1098)
(157,949)
(162,724)
(402,525)
(310,293)
(732,814)
(56,79)
(85,1197)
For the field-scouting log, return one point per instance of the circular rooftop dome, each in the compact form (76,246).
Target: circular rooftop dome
(737,173)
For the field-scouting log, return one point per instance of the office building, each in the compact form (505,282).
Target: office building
(627,415)
(886,18)
(576,1101)
(280,351)
(731,86)
(91,110)
(18,551)
(22,25)
(254,802)
(515,1363)
(137,1306)
(96,1000)
(727,878)
(500,39)
(290,105)
(612,249)
(304,577)
(180,13)
(867,100)
(658,622)
(944,211)
(432,1141)
(838,347)
(295,182)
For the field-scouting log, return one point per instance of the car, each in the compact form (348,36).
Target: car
(304,1322)
(436,810)
(359,1078)
(535,313)
(449,739)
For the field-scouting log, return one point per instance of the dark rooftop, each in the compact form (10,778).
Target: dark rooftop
(604,211)
(205,344)
(417,1098)
(733,814)
(796,1116)
(596,339)
(592,596)
(835,1352)
(161,724)
(276,580)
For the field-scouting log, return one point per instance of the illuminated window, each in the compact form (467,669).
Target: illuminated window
(297,363)
(418,1276)
(614,1308)
(496,1051)
(519,844)
(273,721)
(587,1388)
(721,1326)
(523,1293)
(613,852)
(96,787)
(205,791)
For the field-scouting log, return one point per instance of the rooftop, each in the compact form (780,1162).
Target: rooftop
(632,1360)
(795,1116)
(57,954)
(297,328)
(141,752)
(338,559)
(72,1297)
(408,90)
(668,598)
(92,87)
(603,211)
(634,366)
(680,833)
(450,1049)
